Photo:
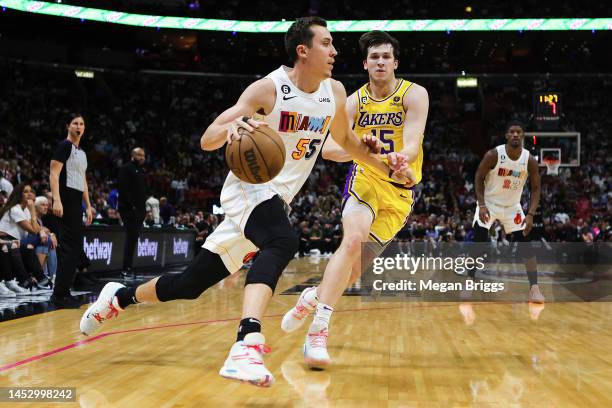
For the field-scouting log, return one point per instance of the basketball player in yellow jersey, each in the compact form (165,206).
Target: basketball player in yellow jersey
(389,114)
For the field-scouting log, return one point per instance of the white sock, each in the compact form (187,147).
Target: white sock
(321,318)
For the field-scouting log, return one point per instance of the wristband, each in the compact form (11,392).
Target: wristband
(482,205)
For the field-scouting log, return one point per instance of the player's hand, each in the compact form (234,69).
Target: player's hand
(372,142)
(405,175)
(89,212)
(528,223)
(243,122)
(483,214)
(58,208)
(396,160)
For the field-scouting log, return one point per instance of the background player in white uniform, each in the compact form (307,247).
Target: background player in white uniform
(303,104)
(499,183)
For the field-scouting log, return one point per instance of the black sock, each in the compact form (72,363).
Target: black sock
(126,297)
(248,325)
(533,278)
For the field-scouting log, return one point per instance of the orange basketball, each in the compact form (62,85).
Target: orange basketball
(257,157)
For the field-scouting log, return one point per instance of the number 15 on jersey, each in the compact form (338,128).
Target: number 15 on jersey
(388,145)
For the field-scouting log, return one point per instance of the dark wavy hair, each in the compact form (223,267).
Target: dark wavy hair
(377,37)
(13,199)
(300,33)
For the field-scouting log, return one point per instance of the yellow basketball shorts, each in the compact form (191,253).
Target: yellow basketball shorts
(390,204)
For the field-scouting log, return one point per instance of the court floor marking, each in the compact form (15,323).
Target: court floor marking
(37,357)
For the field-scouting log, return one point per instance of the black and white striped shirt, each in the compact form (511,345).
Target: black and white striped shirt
(75,164)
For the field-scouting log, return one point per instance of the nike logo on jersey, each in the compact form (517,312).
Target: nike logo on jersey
(286,98)
(403,196)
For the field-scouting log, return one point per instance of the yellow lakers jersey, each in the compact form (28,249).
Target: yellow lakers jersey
(385,120)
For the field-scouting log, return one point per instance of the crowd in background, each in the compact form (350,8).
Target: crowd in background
(167,114)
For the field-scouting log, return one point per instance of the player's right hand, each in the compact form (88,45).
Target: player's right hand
(58,208)
(483,214)
(372,142)
(243,122)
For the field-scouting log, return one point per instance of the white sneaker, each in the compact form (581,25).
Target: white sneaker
(295,318)
(15,287)
(315,349)
(245,361)
(6,292)
(106,307)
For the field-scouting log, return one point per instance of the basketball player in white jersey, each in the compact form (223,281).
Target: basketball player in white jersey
(303,104)
(499,183)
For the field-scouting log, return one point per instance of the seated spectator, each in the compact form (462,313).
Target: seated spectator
(18,219)
(315,238)
(304,236)
(46,252)
(328,245)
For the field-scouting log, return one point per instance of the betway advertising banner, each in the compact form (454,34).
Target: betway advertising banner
(104,247)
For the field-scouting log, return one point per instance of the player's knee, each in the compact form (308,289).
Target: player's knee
(352,241)
(205,271)
(285,245)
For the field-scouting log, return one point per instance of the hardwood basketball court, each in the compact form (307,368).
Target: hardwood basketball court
(384,354)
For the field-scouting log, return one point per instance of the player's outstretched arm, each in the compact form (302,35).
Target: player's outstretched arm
(259,97)
(416,106)
(343,134)
(331,149)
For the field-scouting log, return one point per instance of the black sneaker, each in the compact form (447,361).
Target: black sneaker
(82,283)
(65,302)
(88,276)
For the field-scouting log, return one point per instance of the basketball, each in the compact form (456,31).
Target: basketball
(257,157)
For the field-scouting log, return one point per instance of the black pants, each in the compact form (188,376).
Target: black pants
(70,242)
(12,265)
(132,222)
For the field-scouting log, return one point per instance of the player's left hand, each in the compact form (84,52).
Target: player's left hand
(528,223)
(404,176)
(89,212)
(396,160)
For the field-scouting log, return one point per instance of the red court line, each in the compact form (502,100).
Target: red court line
(165,326)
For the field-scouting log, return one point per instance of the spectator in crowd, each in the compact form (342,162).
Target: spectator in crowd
(166,211)
(5,185)
(46,250)
(18,218)
(152,206)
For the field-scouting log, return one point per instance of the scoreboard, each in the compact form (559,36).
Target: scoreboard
(547,109)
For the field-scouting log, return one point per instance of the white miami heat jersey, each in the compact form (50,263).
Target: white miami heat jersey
(302,120)
(504,183)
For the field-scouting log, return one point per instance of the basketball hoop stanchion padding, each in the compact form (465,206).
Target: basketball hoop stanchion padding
(552,167)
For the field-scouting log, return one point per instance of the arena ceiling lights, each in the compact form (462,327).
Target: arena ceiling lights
(186,23)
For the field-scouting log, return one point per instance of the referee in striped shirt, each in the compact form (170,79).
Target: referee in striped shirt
(69,189)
